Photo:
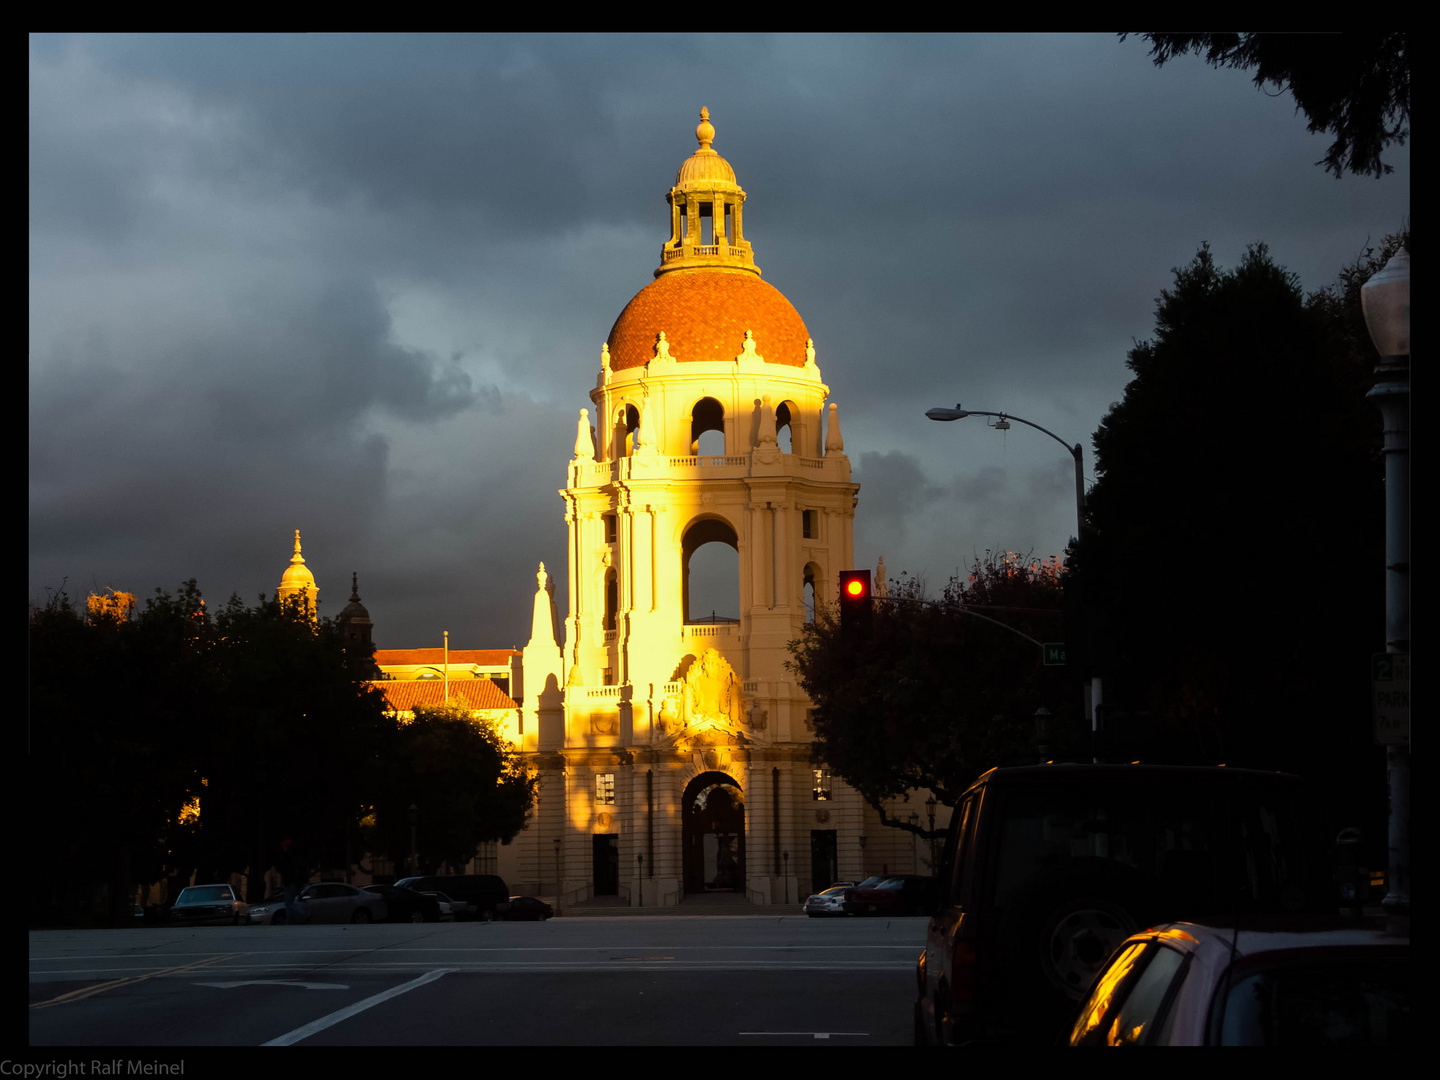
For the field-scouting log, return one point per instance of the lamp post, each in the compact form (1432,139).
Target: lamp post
(930,812)
(914,838)
(959,412)
(558,889)
(414,815)
(1385,299)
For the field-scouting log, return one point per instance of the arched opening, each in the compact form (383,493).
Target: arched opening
(706,418)
(612,598)
(710,572)
(784,428)
(812,576)
(627,430)
(713,834)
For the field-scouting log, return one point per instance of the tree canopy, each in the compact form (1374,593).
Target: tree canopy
(466,784)
(1233,552)
(939,690)
(1354,85)
(172,739)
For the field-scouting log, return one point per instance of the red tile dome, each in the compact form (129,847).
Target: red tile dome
(705,312)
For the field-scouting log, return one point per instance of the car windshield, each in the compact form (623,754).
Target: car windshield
(204,894)
(1355,1003)
(892,883)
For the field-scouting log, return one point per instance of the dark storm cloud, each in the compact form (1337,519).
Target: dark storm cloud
(358,284)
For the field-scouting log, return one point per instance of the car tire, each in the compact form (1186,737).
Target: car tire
(361,916)
(417,917)
(1064,925)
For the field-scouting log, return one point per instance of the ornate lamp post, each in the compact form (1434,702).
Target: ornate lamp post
(1385,299)
(558,888)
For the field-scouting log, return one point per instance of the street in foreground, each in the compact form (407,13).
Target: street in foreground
(734,981)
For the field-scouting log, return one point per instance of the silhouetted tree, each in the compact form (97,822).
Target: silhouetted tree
(1235,531)
(468,786)
(937,692)
(1354,85)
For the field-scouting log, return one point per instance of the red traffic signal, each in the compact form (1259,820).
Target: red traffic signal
(854,600)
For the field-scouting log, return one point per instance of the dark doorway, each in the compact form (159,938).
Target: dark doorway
(822,859)
(714,835)
(606,854)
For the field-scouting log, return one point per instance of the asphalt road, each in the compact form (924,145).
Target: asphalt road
(635,981)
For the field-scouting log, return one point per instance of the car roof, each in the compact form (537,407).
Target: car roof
(1271,935)
(1069,772)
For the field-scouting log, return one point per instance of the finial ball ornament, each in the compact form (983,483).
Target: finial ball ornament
(705,131)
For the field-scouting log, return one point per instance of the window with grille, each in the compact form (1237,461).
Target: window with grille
(605,789)
(487,857)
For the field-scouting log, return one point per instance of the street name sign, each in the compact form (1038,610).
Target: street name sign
(1055,653)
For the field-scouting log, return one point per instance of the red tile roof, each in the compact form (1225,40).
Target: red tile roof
(402,695)
(705,313)
(461,657)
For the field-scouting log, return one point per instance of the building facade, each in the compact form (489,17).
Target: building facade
(674,752)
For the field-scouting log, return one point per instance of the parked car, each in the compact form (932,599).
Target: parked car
(527,909)
(324,902)
(897,894)
(485,894)
(1049,868)
(213,904)
(1183,984)
(829,902)
(450,909)
(407,905)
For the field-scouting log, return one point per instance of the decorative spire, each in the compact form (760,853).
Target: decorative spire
(662,348)
(297,557)
(747,349)
(542,625)
(584,446)
(705,131)
(833,439)
(354,587)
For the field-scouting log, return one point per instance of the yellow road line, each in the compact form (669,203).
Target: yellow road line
(113,984)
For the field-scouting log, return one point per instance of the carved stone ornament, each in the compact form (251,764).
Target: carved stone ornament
(747,350)
(604,723)
(662,347)
(822,816)
(711,691)
(603,818)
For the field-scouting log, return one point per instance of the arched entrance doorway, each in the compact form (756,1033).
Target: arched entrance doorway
(713,835)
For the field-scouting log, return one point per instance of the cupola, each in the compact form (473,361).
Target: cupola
(705,212)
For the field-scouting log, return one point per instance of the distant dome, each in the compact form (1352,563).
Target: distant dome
(354,611)
(704,313)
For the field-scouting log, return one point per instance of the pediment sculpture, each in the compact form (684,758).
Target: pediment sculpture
(709,698)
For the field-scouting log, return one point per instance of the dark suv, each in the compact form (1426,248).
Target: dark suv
(1049,868)
(485,895)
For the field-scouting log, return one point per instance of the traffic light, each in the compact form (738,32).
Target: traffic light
(854,601)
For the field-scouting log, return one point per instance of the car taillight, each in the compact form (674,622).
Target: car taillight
(962,971)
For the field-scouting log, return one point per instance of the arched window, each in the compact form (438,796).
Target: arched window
(710,572)
(784,428)
(627,430)
(612,598)
(707,417)
(812,576)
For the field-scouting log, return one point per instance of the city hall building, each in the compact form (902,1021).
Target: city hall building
(673,748)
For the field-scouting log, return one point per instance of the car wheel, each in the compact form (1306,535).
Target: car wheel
(488,915)
(1065,924)
(362,915)
(417,916)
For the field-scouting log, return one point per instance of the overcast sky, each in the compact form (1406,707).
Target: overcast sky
(358,285)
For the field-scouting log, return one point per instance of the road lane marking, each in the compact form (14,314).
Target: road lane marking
(114,984)
(292,1037)
(276,982)
(811,1034)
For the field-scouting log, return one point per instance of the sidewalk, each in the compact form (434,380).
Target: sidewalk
(732,904)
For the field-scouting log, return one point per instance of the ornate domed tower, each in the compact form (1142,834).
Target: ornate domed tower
(711,425)
(298,583)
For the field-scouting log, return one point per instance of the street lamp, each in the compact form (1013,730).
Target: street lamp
(1385,299)
(558,888)
(930,812)
(1003,424)
(914,836)
(959,412)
